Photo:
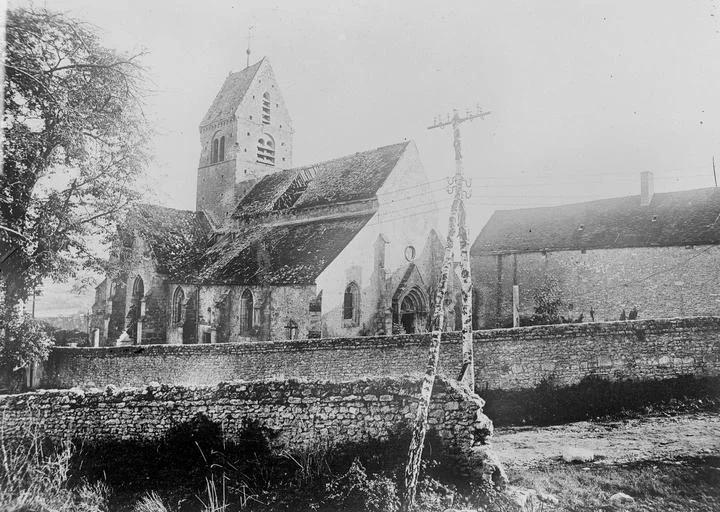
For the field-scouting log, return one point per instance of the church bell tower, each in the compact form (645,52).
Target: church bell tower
(245,135)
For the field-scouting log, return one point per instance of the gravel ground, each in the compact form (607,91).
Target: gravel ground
(617,442)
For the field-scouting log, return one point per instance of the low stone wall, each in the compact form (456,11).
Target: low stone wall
(304,414)
(505,358)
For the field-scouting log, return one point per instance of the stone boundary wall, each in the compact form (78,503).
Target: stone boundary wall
(505,358)
(304,414)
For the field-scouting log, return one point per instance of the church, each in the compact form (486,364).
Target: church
(344,247)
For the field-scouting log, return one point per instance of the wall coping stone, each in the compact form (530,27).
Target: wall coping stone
(536,332)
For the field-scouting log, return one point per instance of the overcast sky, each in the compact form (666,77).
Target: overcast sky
(584,94)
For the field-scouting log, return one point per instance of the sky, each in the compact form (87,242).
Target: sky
(584,95)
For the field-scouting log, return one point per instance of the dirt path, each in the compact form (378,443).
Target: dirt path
(649,438)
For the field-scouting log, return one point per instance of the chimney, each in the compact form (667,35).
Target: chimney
(646,188)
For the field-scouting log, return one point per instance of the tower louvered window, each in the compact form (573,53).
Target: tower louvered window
(266,108)
(266,150)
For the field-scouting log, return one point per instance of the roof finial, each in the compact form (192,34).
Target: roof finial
(248,47)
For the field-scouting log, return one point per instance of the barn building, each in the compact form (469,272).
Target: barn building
(652,255)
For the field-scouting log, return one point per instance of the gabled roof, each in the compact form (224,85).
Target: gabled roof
(690,217)
(177,238)
(231,94)
(352,177)
(285,254)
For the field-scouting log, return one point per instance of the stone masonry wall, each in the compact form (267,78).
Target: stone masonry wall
(304,414)
(505,358)
(660,282)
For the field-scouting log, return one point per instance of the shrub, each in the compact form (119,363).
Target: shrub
(357,491)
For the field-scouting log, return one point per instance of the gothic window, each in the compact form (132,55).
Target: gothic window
(217,149)
(351,303)
(246,312)
(266,108)
(266,150)
(178,303)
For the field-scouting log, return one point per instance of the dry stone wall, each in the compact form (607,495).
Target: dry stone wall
(304,414)
(505,358)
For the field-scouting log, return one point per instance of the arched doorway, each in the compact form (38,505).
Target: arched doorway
(413,311)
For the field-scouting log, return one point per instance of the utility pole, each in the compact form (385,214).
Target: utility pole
(714,173)
(457,228)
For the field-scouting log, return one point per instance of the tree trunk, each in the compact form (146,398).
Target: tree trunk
(417,439)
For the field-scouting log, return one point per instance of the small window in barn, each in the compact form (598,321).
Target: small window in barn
(178,302)
(266,150)
(246,312)
(351,303)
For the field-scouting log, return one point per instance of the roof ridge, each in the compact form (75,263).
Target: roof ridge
(364,152)
(591,201)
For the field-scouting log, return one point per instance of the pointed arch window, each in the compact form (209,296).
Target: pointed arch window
(178,304)
(217,149)
(266,150)
(351,304)
(214,151)
(246,312)
(266,108)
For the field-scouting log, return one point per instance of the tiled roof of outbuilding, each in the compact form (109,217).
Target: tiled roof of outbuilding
(231,94)
(690,217)
(177,238)
(285,254)
(352,177)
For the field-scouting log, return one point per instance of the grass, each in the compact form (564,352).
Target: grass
(34,476)
(677,486)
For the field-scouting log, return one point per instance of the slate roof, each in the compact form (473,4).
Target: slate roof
(352,177)
(690,217)
(231,94)
(177,238)
(285,254)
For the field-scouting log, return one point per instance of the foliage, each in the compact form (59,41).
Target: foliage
(548,302)
(74,144)
(34,477)
(355,490)
(23,340)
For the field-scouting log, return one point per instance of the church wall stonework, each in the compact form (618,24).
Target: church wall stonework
(398,222)
(683,282)
(505,358)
